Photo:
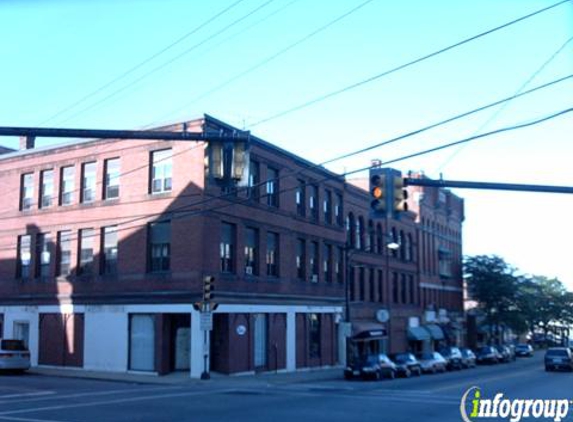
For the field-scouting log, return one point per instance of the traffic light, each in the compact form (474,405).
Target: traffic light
(400,194)
(208,287)
(378,193)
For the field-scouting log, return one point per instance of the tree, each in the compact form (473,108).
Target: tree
(493,284)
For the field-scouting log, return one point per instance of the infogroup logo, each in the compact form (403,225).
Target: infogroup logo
(474,407)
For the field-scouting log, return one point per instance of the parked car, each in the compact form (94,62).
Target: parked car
(432,362)
(522,350)
(558,358)
(453,357)
(375,366)
(407,364)
(468,358)
(14,356)
(504,352)
(487,354)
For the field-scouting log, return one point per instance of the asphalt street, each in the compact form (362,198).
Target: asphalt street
(40,398)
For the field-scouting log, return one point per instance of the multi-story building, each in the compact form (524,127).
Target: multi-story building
(105,245)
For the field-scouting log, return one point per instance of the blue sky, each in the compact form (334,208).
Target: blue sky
(55,53)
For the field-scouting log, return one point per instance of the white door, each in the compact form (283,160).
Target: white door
(142,342)
(183,349)
(22,331)
(260,340)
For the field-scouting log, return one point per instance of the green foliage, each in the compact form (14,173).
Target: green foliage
(521,303)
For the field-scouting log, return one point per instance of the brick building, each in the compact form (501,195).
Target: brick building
(105,243)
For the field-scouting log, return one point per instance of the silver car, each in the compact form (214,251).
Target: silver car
(14,355)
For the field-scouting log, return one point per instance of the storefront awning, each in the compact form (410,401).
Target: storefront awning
(368,330)
(418,334)
(435,331)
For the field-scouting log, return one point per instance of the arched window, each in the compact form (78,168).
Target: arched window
(409,248)
(351,230)
(371,241)
(402,243)
(379,239)
(360,233)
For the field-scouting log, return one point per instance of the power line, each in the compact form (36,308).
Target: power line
(402,66)
(184,212)
(506,104)
(141,64)
(471,138)
(170,61)
(270,58)
(377,145)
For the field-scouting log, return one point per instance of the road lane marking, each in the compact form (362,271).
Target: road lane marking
(38,393)
(115,401)
(479,380)
(91,394)
(12,418)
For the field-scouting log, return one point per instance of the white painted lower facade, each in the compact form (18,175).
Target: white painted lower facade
(106,329)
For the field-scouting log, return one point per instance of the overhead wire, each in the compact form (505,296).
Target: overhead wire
(142,63)
(403,66)
(500,110)
(270,58)
(168,62)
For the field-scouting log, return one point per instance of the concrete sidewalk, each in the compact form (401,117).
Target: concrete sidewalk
(182,378)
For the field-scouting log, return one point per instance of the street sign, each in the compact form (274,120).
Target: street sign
(206,322)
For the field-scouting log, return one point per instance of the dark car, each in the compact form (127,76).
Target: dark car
(432,362)
(524,350)
(505,353)
(487,354)
(453,357)
(371,367)
(468,358)
(407,364)
(558,358)
(14,355)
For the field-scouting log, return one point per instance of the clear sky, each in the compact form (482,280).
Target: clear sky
(62,63)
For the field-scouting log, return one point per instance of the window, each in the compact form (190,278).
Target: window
(327,207)
(360,233)
(86,255)
(313,202)
(254,180)
(43,255)
(351,230)
(370,239)
(67,185)
(46,188)
(111,180)
(352,283)
(159,246)
(380,286)
(300,259)
(161,171)
(251,251)
(338,211)
(227,247)
(27,191)
(409,248)
(394,240)
(362,286)
(314,262)
(338,265)
(380,243)
(64,252)
(402,244)
(300,198)
(395,287)
(88,182)
(411,289)
(404,289)
(109,250)
(24,257)
(372,285)
(272,254)
(272,187)
(327,263)
(313,336)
